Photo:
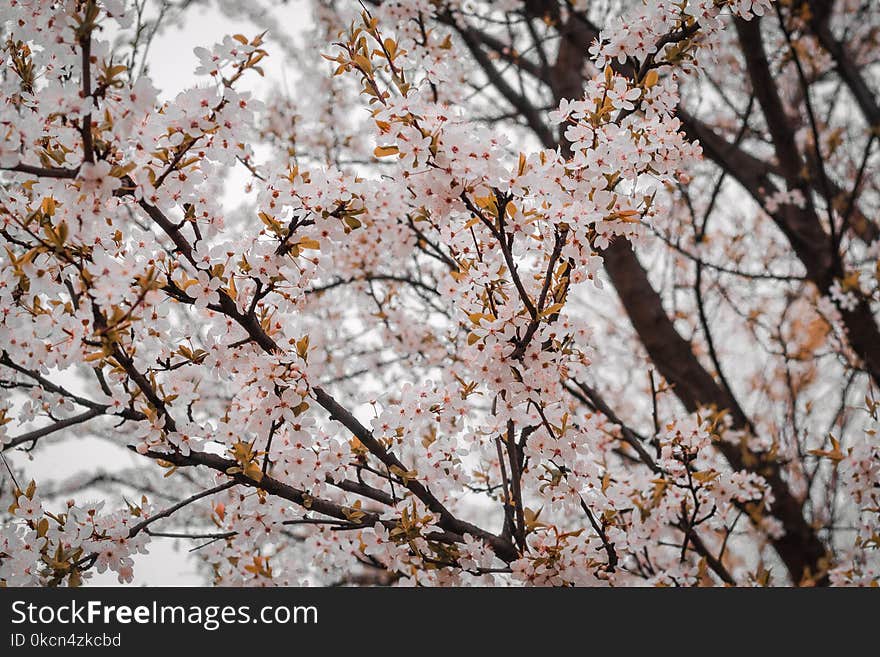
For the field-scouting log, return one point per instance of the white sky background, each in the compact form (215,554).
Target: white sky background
(171,65)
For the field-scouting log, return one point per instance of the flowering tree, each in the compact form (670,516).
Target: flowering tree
(532,292)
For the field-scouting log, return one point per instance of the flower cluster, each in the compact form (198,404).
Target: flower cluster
(382,366)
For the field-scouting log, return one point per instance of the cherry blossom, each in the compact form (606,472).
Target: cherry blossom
(515,293)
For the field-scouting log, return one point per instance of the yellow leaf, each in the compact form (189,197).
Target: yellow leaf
(119,171)
(835,453)
(385,151)
(363,63)
(95,356)
(302,346)
(309,243)
(42,527)
(253,471)
(555,308)
(705,476)
(486,202)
